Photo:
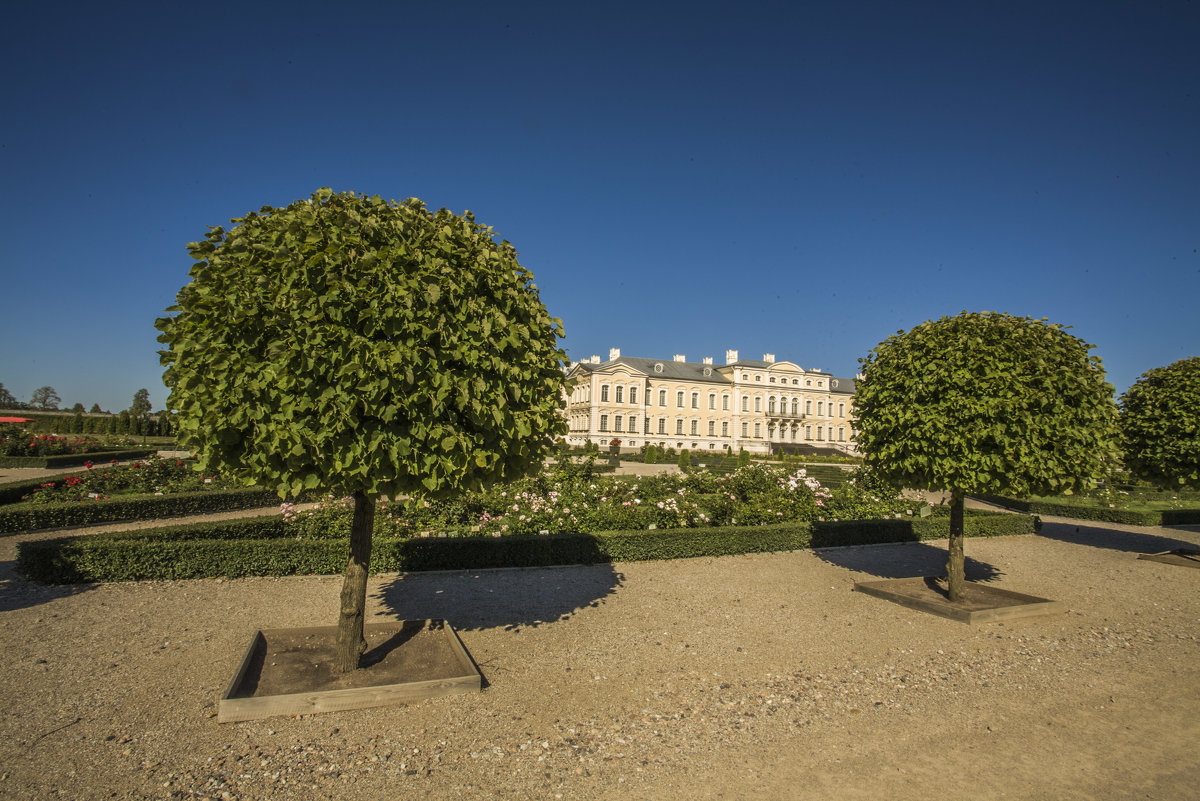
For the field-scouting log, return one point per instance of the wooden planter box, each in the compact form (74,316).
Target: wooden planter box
(981,603)
(289,671)
(1180,557)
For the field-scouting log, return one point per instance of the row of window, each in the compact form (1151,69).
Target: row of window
(622,424)
(795,381)
(712,402)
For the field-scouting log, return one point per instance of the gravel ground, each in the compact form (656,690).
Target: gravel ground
(758,676)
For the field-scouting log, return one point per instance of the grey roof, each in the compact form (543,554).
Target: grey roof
(694,371)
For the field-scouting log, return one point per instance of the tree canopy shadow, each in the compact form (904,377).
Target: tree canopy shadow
(18,592)
(511,598)
(904,560)
(1117,539)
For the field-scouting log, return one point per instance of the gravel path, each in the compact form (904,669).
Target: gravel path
(758,676)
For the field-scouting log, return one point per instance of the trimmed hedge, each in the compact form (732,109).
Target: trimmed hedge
(32,517)
(75,459)
(1080,511)
(14,491)
(260,547)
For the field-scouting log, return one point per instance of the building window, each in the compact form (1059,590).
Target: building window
(745,429)
(841,434)
(620,396)
(820,434)
(633,395)
(695,400)
(724,403)
(745,376)
(807,408)
(724,428)
(793,434)
(679,399)
(695,427)
(796,381)
(808,432)
(662,425)
(771,405)
(819,412)
(604,422)
(745,403)
(771,379)
(841,410)
(758,403)
(794,404)
(617,421)
(712,400)
(758,378)
(679,426)
(758,430)
(712,428)
(632,424)
(808,382)
(604,393)
(646,425)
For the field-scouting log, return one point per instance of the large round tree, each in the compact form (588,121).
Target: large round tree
(1160,425)
(984,403)
(366,347)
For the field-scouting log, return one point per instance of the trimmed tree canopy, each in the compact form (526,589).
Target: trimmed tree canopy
(361,345)
(1160,425)
(986,403)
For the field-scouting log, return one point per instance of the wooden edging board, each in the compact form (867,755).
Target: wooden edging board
(238,705)
(985,604)
(1180,557)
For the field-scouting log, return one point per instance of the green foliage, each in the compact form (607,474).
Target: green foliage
(355,344)
(651,454)
(28,517)
(685,460)
(45,398)
(7,399)
(260,548)
(1160,425)
(1089,509)
(985,403)
(141,403)
(743,457)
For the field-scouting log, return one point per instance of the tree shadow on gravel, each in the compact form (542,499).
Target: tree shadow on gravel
(18,592)
(1100,536)
(904,560)
(510,598)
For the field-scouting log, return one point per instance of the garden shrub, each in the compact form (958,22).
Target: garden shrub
(1083,509)
(255,548)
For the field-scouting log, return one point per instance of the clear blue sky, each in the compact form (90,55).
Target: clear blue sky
(797,178)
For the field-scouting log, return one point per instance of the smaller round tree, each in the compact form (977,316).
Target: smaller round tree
(984,403)
(365,347)
(1160,425)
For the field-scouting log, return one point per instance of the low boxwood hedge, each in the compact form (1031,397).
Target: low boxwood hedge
(261,547)
(32,517)
(75,459)
(1087,511)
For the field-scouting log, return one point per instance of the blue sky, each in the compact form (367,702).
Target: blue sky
(800,179)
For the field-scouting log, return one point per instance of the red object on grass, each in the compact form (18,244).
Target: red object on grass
(15,420)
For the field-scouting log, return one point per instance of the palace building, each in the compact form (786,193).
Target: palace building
(758,405)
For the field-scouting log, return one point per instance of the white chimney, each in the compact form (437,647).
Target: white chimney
(679,357)
(707,360)
(614,353)
(814,369)
(595,359)
(730,356)
(769,358)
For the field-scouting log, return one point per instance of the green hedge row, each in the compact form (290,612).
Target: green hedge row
(32,517)
(1083,511)
(260,547)
(75,459)
(14,491)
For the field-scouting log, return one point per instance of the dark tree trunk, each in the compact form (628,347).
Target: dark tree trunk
(955,564)
(350,640)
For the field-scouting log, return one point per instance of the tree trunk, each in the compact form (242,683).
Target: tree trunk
(955,567)
(350,640)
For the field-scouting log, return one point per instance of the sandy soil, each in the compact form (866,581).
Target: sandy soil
(759,676)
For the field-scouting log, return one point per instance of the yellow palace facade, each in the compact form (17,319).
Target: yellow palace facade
(755,404)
